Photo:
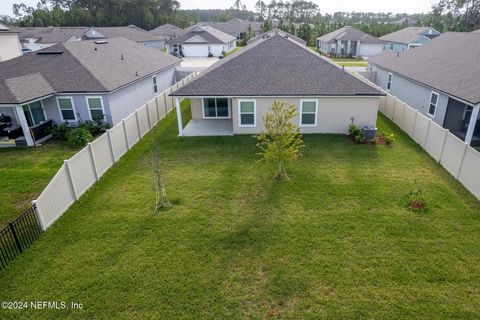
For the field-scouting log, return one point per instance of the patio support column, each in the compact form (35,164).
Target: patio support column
(471,125)
(179,117)
(24,124)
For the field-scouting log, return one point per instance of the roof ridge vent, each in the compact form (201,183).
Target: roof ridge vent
(101,42)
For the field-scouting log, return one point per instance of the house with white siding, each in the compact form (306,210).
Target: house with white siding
(202,41)
(349,41)
(408,38)
(9,44)
(234,94)
(79,81)
(440,79)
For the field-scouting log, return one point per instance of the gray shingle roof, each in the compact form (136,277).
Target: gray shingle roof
(130,32)
(167,30)
(209,34)
(349,34)
(405,35)
(79,67)
(476,31)
(276,66)
(281,32)
(50,34)
(448,63)
(234,25)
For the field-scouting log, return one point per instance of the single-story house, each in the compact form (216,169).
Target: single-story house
(78,81)
(440,79)
(233,95)
(276,31)
(36,38)
(202,41)
(167,31)
(9,44)
(349,41)
(235,27)
(407,38)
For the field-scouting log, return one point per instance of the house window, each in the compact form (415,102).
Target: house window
(67,110)
(391,46)
(308,113)
(432,108)
(215,108)
(34,113)
(95,106)
(155,86)
(247,113)
(389,81)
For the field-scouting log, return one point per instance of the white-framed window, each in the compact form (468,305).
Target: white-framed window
(95,108)
(389,81)
(67,109)
(34,113)
(217,108)
(432,107)
(247,113)
(154,83)
(308,112)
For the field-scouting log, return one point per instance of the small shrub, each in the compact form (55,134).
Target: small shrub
(59,132)
(389,138)
(95,127)
(354,131)
(359,138)
(415,199)
(78,137)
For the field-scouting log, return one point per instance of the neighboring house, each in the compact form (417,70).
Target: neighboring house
(9,45)
(440,79)
(349,41)
(167,31)
(236,27)
(36,38)
(406,21)
(407,38)
(202,41)
(233,96)
(273,32)
(476,31)
(78,81)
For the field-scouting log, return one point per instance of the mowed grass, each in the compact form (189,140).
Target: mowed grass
(334,242)
(24,173)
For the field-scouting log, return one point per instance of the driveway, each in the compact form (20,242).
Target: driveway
(197,64)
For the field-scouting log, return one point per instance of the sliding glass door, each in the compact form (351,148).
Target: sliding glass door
(34,113)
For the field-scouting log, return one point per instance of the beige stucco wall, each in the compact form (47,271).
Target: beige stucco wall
(9,46)
(333,116)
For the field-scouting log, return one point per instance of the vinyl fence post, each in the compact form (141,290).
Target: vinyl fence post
(148,117)
(415,122)
(138,125)
(110,143)
(38,215)
(125,132)
(428,131)
(463,159)
(443,145)
(92,158)
(156,108)
(70,179)
(165,101)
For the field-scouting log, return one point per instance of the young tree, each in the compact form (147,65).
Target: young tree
(161,199)
(281,142)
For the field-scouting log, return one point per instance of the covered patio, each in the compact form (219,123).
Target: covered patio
(205,128)
(463,121)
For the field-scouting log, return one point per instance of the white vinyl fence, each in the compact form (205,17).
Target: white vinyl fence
(81,171)
(456,156)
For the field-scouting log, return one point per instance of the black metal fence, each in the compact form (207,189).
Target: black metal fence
(18,235)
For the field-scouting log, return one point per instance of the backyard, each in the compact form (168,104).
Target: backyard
(336,241)
(350,62)
(25,172)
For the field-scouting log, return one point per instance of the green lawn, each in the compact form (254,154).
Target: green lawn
(334,242)
(24,173)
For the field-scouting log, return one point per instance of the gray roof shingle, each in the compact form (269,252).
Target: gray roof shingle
(281,32)
(75,67)
(349,34)
(209,34)
(405,35)
(276,66)
(234,25)
(167,30)
(448,63)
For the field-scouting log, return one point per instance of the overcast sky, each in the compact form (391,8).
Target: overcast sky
(326,6)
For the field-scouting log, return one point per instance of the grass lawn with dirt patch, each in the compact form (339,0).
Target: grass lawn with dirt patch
(334,242)
(24,173)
